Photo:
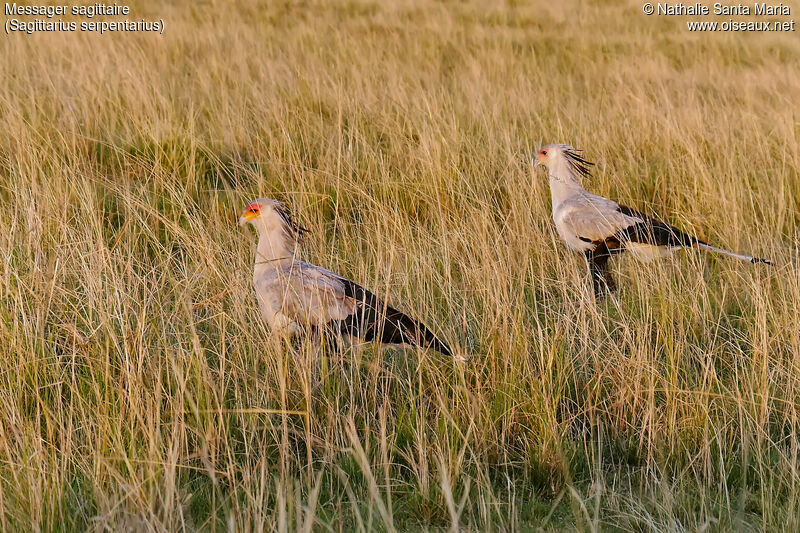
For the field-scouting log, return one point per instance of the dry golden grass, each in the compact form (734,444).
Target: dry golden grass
(139,388)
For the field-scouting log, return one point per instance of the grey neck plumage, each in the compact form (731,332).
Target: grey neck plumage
(564,184)
(275,248)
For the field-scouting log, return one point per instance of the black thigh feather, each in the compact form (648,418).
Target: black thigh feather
(597,258)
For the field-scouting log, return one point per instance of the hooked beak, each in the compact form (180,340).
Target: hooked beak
(246,217)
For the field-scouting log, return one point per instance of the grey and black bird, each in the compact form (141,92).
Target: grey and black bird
(299,298)
(600,228)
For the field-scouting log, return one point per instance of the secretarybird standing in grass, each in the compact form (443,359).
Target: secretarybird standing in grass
(600,228)
(298,298)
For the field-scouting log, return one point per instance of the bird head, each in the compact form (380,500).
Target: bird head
(546,155)
(562,157)
(267,215)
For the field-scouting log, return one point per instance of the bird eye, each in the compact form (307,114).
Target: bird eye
(544,152)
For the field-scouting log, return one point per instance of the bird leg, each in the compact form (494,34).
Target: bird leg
(330,342)
(602,281)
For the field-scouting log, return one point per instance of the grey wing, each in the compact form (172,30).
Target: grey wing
(594,218)
(315,295)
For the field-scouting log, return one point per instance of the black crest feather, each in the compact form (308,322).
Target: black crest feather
(295,230)
(577,163)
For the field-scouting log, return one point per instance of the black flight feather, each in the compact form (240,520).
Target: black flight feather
(653,231)
(373,320)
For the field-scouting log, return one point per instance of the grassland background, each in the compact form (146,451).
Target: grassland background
(139,388)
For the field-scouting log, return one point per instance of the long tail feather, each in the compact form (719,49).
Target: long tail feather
(740,257)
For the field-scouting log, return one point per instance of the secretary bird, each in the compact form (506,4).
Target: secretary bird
(600,228)
(300,298)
